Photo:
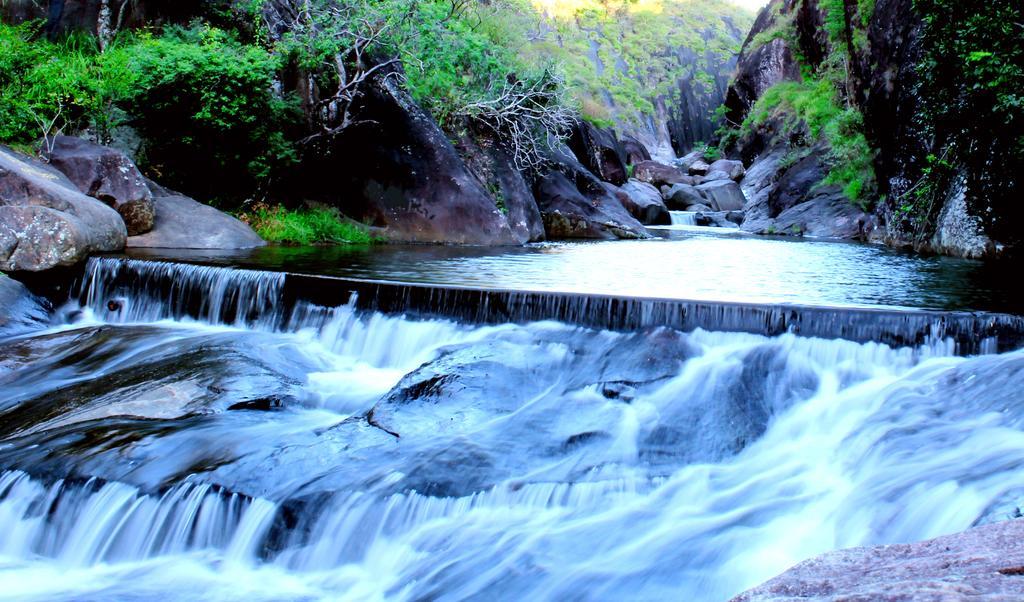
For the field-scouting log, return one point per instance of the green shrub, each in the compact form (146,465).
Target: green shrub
(815,105)
(305,227)
(205,105)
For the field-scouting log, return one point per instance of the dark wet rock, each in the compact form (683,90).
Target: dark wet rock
(46,222)
(644,202)
(683,196)
(568,214)
(984,563)
(635,151)
(398,171)
(827,214)
(491,161)
(723,195)
(660,174)
(600,151)
(184,223)
(733,170)
(20,310)
(575,203)
(108,175)
(796,184)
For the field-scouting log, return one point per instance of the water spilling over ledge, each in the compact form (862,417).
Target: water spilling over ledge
(188,431)
(150,290)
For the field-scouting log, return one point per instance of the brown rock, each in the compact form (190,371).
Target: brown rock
(984,564)
(108,175)
(659,174)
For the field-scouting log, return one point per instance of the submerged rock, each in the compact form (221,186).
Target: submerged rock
(46,222)
(108,175)
(985,563)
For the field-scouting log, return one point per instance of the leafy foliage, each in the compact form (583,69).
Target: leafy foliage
(202,101)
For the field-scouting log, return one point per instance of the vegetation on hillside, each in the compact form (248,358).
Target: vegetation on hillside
(822,103)
(620,55)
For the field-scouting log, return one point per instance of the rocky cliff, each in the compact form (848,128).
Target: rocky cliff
(656,70)
(909,116)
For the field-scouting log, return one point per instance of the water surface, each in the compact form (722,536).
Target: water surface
(682,263)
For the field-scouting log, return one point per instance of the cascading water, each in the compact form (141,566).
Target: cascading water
(683,218)
(209,440)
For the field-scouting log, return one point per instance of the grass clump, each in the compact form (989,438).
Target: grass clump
(320,225)
(816,105)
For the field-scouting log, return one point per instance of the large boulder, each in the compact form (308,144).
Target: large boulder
(46,222)
(724,195)
(635,150)
(395,169)
(683,196)
(983,564)
(183,223)
(733,170)
(644,202)
(108,175)
(569,214)
(659,174)
(600,151)
(488,157)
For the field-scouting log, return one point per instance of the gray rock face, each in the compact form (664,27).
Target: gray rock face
(108,175)
(683,196)
(723,195)
(982,564)
(600,151)
(699,167)
(758,70)
(643,201)
(635,150)
(826,214)
(183,223)
(491,161)
(46,222)
(569,214)
(403,174)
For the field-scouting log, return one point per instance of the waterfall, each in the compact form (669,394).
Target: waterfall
(200,432)
(125,291)
(683,218)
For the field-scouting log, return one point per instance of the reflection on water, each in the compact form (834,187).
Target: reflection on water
(686,263)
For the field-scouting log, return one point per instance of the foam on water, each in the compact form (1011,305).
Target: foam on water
(611,465)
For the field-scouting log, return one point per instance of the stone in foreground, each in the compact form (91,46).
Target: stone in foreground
(984,564)
(46,222)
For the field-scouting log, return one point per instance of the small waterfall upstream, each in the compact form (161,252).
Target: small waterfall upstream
(683,218)
(188,432)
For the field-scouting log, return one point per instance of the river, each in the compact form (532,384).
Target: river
(199,432)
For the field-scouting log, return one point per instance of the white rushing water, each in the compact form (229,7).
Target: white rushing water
(538,461)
